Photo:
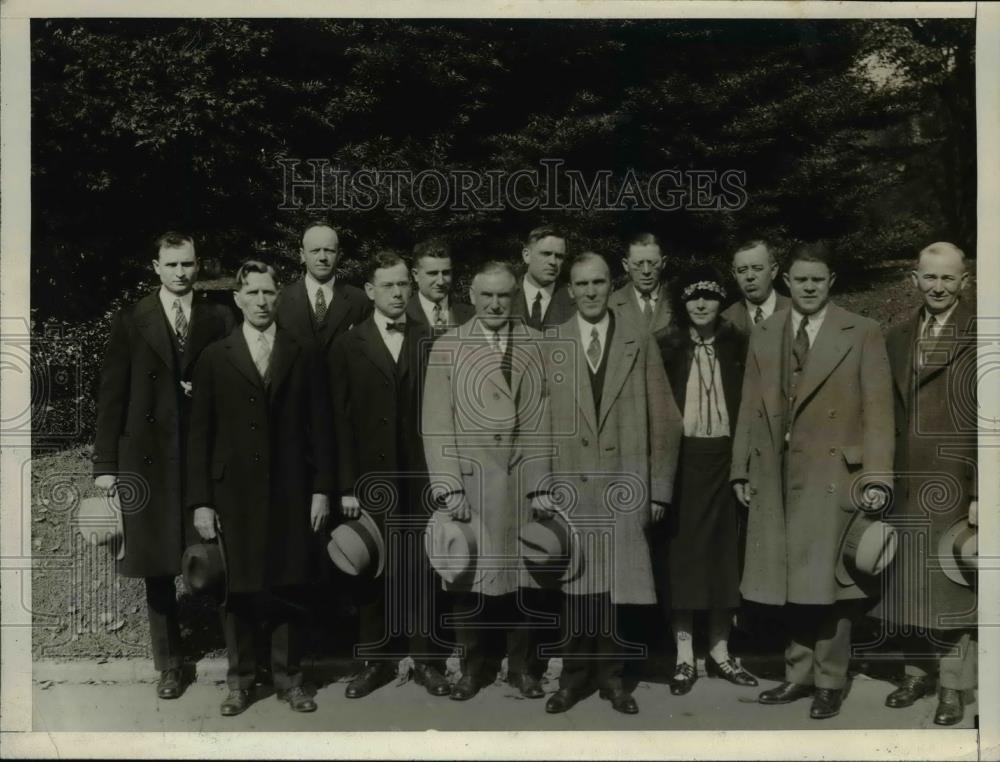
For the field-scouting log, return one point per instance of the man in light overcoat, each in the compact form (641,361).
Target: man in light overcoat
(813,445)
(612,478)
(644,300)
(483,432)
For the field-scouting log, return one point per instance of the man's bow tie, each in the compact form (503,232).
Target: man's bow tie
(400,326)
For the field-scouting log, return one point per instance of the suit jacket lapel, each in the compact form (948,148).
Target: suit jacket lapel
(584,392)
(335,315)
(941,352)
(769,361)
(200,332)
(375,349)
(901,357)
(282,358)
(624,304)
(621,358)
(151,322)
(239,355)
(415,312)
(832,342)
(662,314)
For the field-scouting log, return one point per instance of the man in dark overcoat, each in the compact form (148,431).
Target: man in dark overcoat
(933,358)
(317,308)
(142,417)
(376,373)
(260,474)
(541,300)
(644,301)
(813,444)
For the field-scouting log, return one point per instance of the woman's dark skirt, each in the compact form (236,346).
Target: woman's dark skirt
(697,559)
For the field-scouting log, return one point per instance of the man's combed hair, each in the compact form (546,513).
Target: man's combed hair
(438,248)
(172,239)
(383,258)
(316,223)
(942,247)
(544,231)
(644,239)
(253,266)
(494,266)
(812,251)
(753,243)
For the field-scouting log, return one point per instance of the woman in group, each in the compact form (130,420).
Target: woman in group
(697,555)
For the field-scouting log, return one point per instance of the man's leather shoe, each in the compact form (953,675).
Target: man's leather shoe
(169,686)
(465,688)
(560,701)
(950,708)
(530,686)
(432,679)
(912,688)
(297,699)
(826,703)
(785,693)
(236,703)
(371,678)
(621,700)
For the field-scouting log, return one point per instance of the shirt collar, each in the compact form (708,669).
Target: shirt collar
(767,305)
(382,321)
(530,290)
(252,334)
(941,319)
(428,307)
(654,296)
(313,285)
(815,320)
(167,299)
(586,328)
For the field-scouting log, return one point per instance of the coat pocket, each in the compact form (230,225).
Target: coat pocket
(854,455)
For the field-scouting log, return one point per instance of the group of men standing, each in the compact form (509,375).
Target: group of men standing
(539,402)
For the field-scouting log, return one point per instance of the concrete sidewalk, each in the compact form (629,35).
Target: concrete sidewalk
(68,697)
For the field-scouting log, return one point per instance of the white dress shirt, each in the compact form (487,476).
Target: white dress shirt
(393,339)
(940,321)
(586,334)
(313,287)
(428,307)
(766,307)
(168,298)
(530,292)
(812,327)
(654,298)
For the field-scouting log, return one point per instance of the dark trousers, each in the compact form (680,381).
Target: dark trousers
(819,647)
(487,626)
(950,653)
(595,643)
(241,619)
(401,612)
(164,630)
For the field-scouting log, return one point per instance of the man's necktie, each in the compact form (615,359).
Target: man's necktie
(320,306)
(536,310)
(400,326)
(262,358)
(594,350)
(438,317)
(758,315)
(496,342)
(800,347)
(647,307)
(180,324)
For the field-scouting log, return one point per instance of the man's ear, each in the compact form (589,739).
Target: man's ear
(525,254)
(788,281)
(833,279)
(370,291)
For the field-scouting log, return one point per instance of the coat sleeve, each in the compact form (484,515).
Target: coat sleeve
(749,397)
(320,426)
(112,398)
(346,457)
(438,422)
(665,427)
(201,434)
(877,410)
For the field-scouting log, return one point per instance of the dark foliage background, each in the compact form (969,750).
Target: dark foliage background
(863,132)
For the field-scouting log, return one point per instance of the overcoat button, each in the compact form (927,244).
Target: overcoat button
(256,457)
(584,442)
(253,425)
(252,399)
(152,374)
(756,451)
(583,478)
(497,437)
(496,396)
(148,460)
(831,487)
(384,420)
(753,490)
(760,414)
(150,418)
(832,414)
(833,450)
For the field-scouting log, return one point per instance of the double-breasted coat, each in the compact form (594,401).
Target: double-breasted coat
(804,490)
(609,464)
(489,439)
(561,307)
(376,416)
(142,417)
(348,307)
(257,454)
(936,468)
